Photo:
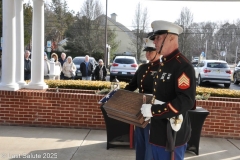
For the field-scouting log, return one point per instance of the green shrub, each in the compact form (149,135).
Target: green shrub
(81,84)
(218,92)
(100,85)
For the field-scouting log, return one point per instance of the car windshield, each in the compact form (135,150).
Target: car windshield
(194,64)
(78,60)
(217,65)
(124,61)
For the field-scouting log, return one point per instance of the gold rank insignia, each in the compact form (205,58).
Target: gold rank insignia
(183,81)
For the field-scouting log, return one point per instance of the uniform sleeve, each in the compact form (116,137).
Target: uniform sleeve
(185,90)
(132,86)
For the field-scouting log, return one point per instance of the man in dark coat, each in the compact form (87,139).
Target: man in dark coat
(27,65)
(86,69)
(174,90)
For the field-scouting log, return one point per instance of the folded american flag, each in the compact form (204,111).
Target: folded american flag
(107,97)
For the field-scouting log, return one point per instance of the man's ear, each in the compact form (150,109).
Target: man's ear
(172,37)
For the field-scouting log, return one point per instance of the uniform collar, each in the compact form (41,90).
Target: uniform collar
(170,56)
(154,63)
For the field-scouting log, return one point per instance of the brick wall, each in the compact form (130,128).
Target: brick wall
(223,119)
(49,108)
(80,109)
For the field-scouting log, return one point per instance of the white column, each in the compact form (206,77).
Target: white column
(19,43)
(9,47)
(37,70)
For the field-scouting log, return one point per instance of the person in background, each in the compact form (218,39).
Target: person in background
(174,91)
(46,66)
(62,60)
(27,65)
(69,69)
(58,65)
(100,72)
(143,80)
(86,69)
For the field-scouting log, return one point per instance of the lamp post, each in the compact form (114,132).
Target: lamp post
(236,55)
(206,50)
(108,55)
(49,44)
(105,48)
(226,53)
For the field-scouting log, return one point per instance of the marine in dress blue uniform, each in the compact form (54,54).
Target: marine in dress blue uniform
(143,80)
(174,85)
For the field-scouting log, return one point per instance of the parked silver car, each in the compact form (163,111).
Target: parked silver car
(124,67)
(213,71)
(236,74)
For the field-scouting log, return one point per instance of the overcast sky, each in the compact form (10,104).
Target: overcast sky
(167,10)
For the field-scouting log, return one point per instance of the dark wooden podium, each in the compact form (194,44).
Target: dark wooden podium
(197,118)
(125,106)
(118,133)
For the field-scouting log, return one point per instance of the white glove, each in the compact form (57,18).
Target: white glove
(146,111)
(158,102)
(148,118)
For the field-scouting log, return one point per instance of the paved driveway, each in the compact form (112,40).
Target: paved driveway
(36,143)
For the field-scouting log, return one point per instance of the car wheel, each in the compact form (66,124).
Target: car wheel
(227,85)
(199,80)
(235,81)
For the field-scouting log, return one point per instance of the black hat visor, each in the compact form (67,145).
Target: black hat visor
(149,49)
(159,32)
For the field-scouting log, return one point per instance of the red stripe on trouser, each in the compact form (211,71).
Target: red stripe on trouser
(131,136)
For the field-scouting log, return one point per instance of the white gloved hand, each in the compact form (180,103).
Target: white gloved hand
(146,111)
(158,102)
(148,118)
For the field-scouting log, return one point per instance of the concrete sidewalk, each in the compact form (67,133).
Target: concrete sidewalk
(37,143)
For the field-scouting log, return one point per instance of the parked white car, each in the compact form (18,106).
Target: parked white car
(124,67)
(236,74)
(195,59)
(213,71)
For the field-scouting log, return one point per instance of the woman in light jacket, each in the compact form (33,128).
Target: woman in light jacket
(46,66)
(58,65)
(69,68)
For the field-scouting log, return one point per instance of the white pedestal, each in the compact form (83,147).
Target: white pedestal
(36,86)
(19,43)
(8,81)
(37,77)
(52,77)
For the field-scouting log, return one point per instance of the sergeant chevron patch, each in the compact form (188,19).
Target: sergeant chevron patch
(183,81)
